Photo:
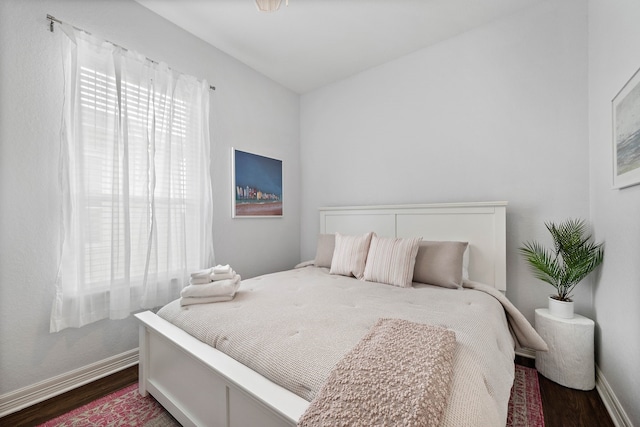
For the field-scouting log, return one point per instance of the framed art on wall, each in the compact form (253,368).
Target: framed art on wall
(626,134)
(257,185)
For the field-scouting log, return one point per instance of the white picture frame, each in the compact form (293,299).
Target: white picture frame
(625,108)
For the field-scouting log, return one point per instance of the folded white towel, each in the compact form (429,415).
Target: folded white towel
(221,269)
(202,273)
(201,281)
(207,300)
(214,289)
(214,277)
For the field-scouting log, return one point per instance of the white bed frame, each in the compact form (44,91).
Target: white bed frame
(201,386)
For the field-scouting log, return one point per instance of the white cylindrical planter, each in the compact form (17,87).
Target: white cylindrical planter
(562,309)
(570,359)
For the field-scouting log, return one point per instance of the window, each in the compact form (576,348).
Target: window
(136,183)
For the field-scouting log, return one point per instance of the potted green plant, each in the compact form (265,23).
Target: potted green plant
(573,257)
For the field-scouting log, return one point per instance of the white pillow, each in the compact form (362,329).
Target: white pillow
(350,255)
(465,263)
(391,260)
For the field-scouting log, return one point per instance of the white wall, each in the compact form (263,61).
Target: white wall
(249,111)
(614,43)
(497,113)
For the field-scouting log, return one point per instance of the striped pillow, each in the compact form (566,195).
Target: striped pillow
(350,255)
(391,261)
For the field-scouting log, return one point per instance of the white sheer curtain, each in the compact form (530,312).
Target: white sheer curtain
(135,178)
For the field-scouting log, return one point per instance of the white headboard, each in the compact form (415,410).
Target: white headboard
(482,224)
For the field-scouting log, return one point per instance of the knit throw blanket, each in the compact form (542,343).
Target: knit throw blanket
(397,375)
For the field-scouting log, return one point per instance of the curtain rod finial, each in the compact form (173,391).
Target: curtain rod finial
(51,21)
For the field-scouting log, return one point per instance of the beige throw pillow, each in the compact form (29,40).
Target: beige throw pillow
(324,250)
(391,260)
(440,263)
(350,255)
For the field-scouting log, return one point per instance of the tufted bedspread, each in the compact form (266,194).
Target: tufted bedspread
(293,327)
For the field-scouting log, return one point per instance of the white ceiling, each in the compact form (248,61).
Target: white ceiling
(311,43)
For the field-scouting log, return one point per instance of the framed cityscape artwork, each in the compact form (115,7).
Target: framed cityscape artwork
(257,185)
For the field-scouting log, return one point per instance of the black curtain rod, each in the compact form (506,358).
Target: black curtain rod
(53,19)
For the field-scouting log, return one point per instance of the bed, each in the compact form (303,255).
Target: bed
(261,358)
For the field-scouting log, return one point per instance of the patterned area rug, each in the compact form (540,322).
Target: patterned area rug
(525,404)
(123,408)
(127,408)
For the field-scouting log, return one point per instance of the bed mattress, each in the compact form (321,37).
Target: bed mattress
(294,326)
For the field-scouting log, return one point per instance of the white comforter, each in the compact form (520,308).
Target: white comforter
(293,327)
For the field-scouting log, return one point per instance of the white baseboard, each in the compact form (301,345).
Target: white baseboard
(611,402)
(526,352)
(30,395)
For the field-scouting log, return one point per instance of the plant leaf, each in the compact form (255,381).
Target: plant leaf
(573,257)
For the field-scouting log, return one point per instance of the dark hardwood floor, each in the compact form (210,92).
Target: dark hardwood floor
(563,407)
(56,406)
(566,407)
